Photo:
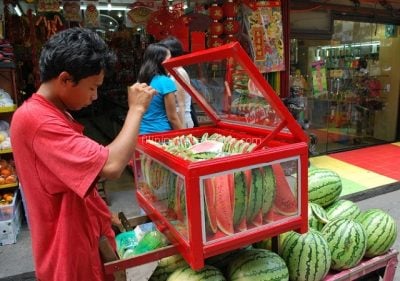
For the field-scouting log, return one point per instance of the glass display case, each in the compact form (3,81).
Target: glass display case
(241,179)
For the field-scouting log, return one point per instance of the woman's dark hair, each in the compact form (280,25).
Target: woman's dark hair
(153,57)
(174,46)
(78,51)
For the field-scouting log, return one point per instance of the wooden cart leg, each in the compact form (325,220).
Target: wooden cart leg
(390,269)
(107,254)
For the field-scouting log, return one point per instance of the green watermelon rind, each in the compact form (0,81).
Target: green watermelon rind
(347,242)
(208,272)
(324,186)
(343,209)
(257,264)
(307,256)
(381,230)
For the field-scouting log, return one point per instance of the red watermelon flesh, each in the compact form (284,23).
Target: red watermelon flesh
(210,206)
(207,146)
(224,204)
(285,202)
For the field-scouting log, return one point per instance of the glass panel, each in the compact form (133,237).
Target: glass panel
(246,199)
(227,91)
(346,82)
(164,189)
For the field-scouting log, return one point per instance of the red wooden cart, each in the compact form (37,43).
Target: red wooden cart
(194,202)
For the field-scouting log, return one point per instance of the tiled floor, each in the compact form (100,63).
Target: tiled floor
(365,168)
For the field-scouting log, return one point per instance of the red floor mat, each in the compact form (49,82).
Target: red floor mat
(381,159)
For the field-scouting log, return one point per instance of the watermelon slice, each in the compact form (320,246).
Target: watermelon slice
(207,146)
(285,202)
(223,188)
(211,206)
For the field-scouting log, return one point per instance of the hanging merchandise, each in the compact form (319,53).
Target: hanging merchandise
(92,15)
(48,6)
(319,81)
(263,24)
(72,10)
(140,12)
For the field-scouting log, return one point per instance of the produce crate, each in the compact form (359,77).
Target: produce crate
(387,262)
(246,179)
(7,211)
(9,229)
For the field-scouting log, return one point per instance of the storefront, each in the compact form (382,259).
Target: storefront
(339,69)
(346,71)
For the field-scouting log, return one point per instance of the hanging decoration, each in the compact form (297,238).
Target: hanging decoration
(263,24)
(216,28)
(140,12)
(164,21)
(92,15)
(231,25)
(71,10)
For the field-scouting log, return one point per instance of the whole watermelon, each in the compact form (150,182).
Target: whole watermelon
(307,256)
(166,266)
(207,273)
(381,230)
(324,186)
(257,264)
(343,209)
(347,242)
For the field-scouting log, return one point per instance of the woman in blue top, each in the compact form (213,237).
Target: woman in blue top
(161,114)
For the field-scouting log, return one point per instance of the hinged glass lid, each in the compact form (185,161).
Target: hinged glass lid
(229,88)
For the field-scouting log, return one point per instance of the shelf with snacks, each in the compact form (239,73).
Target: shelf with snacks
(8,104)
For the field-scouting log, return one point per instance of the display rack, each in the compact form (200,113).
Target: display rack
(8,84)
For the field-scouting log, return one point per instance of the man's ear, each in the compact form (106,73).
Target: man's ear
(64,78)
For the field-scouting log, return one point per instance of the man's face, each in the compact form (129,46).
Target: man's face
(82,94)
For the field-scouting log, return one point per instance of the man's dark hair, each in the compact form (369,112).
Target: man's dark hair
(78,51)
(153,57)
(174,46)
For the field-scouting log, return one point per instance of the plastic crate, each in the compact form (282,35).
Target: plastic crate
(7,212)
(9,229)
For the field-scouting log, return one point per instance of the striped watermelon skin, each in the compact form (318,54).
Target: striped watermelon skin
(324,186)
(347,242)
(316,216)
(207,273)
(381,230)
(257,264)
(343,209)
(307,256)
(166,266)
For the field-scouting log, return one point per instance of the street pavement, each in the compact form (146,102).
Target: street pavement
(389,202)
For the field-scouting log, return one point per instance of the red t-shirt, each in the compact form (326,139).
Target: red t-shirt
(57,167)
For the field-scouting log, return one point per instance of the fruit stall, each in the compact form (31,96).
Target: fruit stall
(238,197)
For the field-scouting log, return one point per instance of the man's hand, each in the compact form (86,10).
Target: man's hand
(139,96)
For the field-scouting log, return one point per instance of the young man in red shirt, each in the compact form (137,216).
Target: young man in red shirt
(58,166)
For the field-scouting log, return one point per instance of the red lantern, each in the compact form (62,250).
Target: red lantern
(216,12)
(215,41)
(216,28)
(231,26)
(230,9)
